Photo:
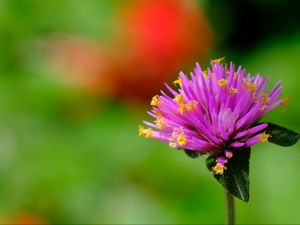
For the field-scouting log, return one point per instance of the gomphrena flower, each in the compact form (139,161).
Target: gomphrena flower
(214,112)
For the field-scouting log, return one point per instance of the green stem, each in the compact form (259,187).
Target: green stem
(230,208)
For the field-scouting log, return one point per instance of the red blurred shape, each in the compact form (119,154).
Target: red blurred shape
(161,36)
(27,219)
(153,40)
(82,62)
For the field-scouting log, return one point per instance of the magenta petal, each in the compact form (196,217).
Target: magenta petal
(253,140)
(251,131)
(237,144)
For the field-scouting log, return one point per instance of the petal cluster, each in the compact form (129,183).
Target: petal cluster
(214,112)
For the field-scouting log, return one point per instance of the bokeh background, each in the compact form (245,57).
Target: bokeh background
(76,81)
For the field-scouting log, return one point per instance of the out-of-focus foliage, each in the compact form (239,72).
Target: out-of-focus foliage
(69,156)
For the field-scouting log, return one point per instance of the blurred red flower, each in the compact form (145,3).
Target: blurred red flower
(153,39)
(160,37)
(27,219)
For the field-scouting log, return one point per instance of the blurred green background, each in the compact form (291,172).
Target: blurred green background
(76,80)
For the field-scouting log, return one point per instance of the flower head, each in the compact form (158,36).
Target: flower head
(214,112)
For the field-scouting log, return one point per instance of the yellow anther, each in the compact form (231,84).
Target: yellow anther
(219,168)
(181,139)
(155,100)
(222,83)
(156,112)
(251,86)
(285,101)
(179,98)
(182,108)
(205,73)
(141,130)
(145,132)
(191,105)
(148,133)
(265,99)
(178,82)
(233,91)
(264,137)
(178,138)
(219,61)
(160,123)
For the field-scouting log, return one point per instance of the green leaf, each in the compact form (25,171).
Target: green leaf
(281,136)
(191,154)
(236,177)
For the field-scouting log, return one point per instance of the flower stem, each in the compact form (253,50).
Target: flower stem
(230,208)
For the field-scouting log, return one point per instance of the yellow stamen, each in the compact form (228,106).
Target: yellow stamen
(160,123)
(141,130)
(222,83)
(179,98)
(148,133)
(251,86)
(233,91)
(178,138)
(265,99)
(219,61)
(156,112)
(264,137)
(181,108)
(145,132)
(178,82)
(192,105)
(219,168)
(181,139)
(205,73)
(155,100)
(265,102)
(285,101)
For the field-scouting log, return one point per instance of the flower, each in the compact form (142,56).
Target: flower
(215,112)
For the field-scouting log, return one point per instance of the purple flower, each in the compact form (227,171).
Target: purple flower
(215,112)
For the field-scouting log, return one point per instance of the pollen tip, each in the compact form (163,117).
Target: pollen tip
(145,132)
(219,169)
(179,98)
(182,108)
(178,82)
(205,73)
(222,83)
(265,99)
(181,139)
(264,137)
(219,60)
(160,123)
(141,130)
(251,86)
(178,138)
(285,100)
(155,100)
